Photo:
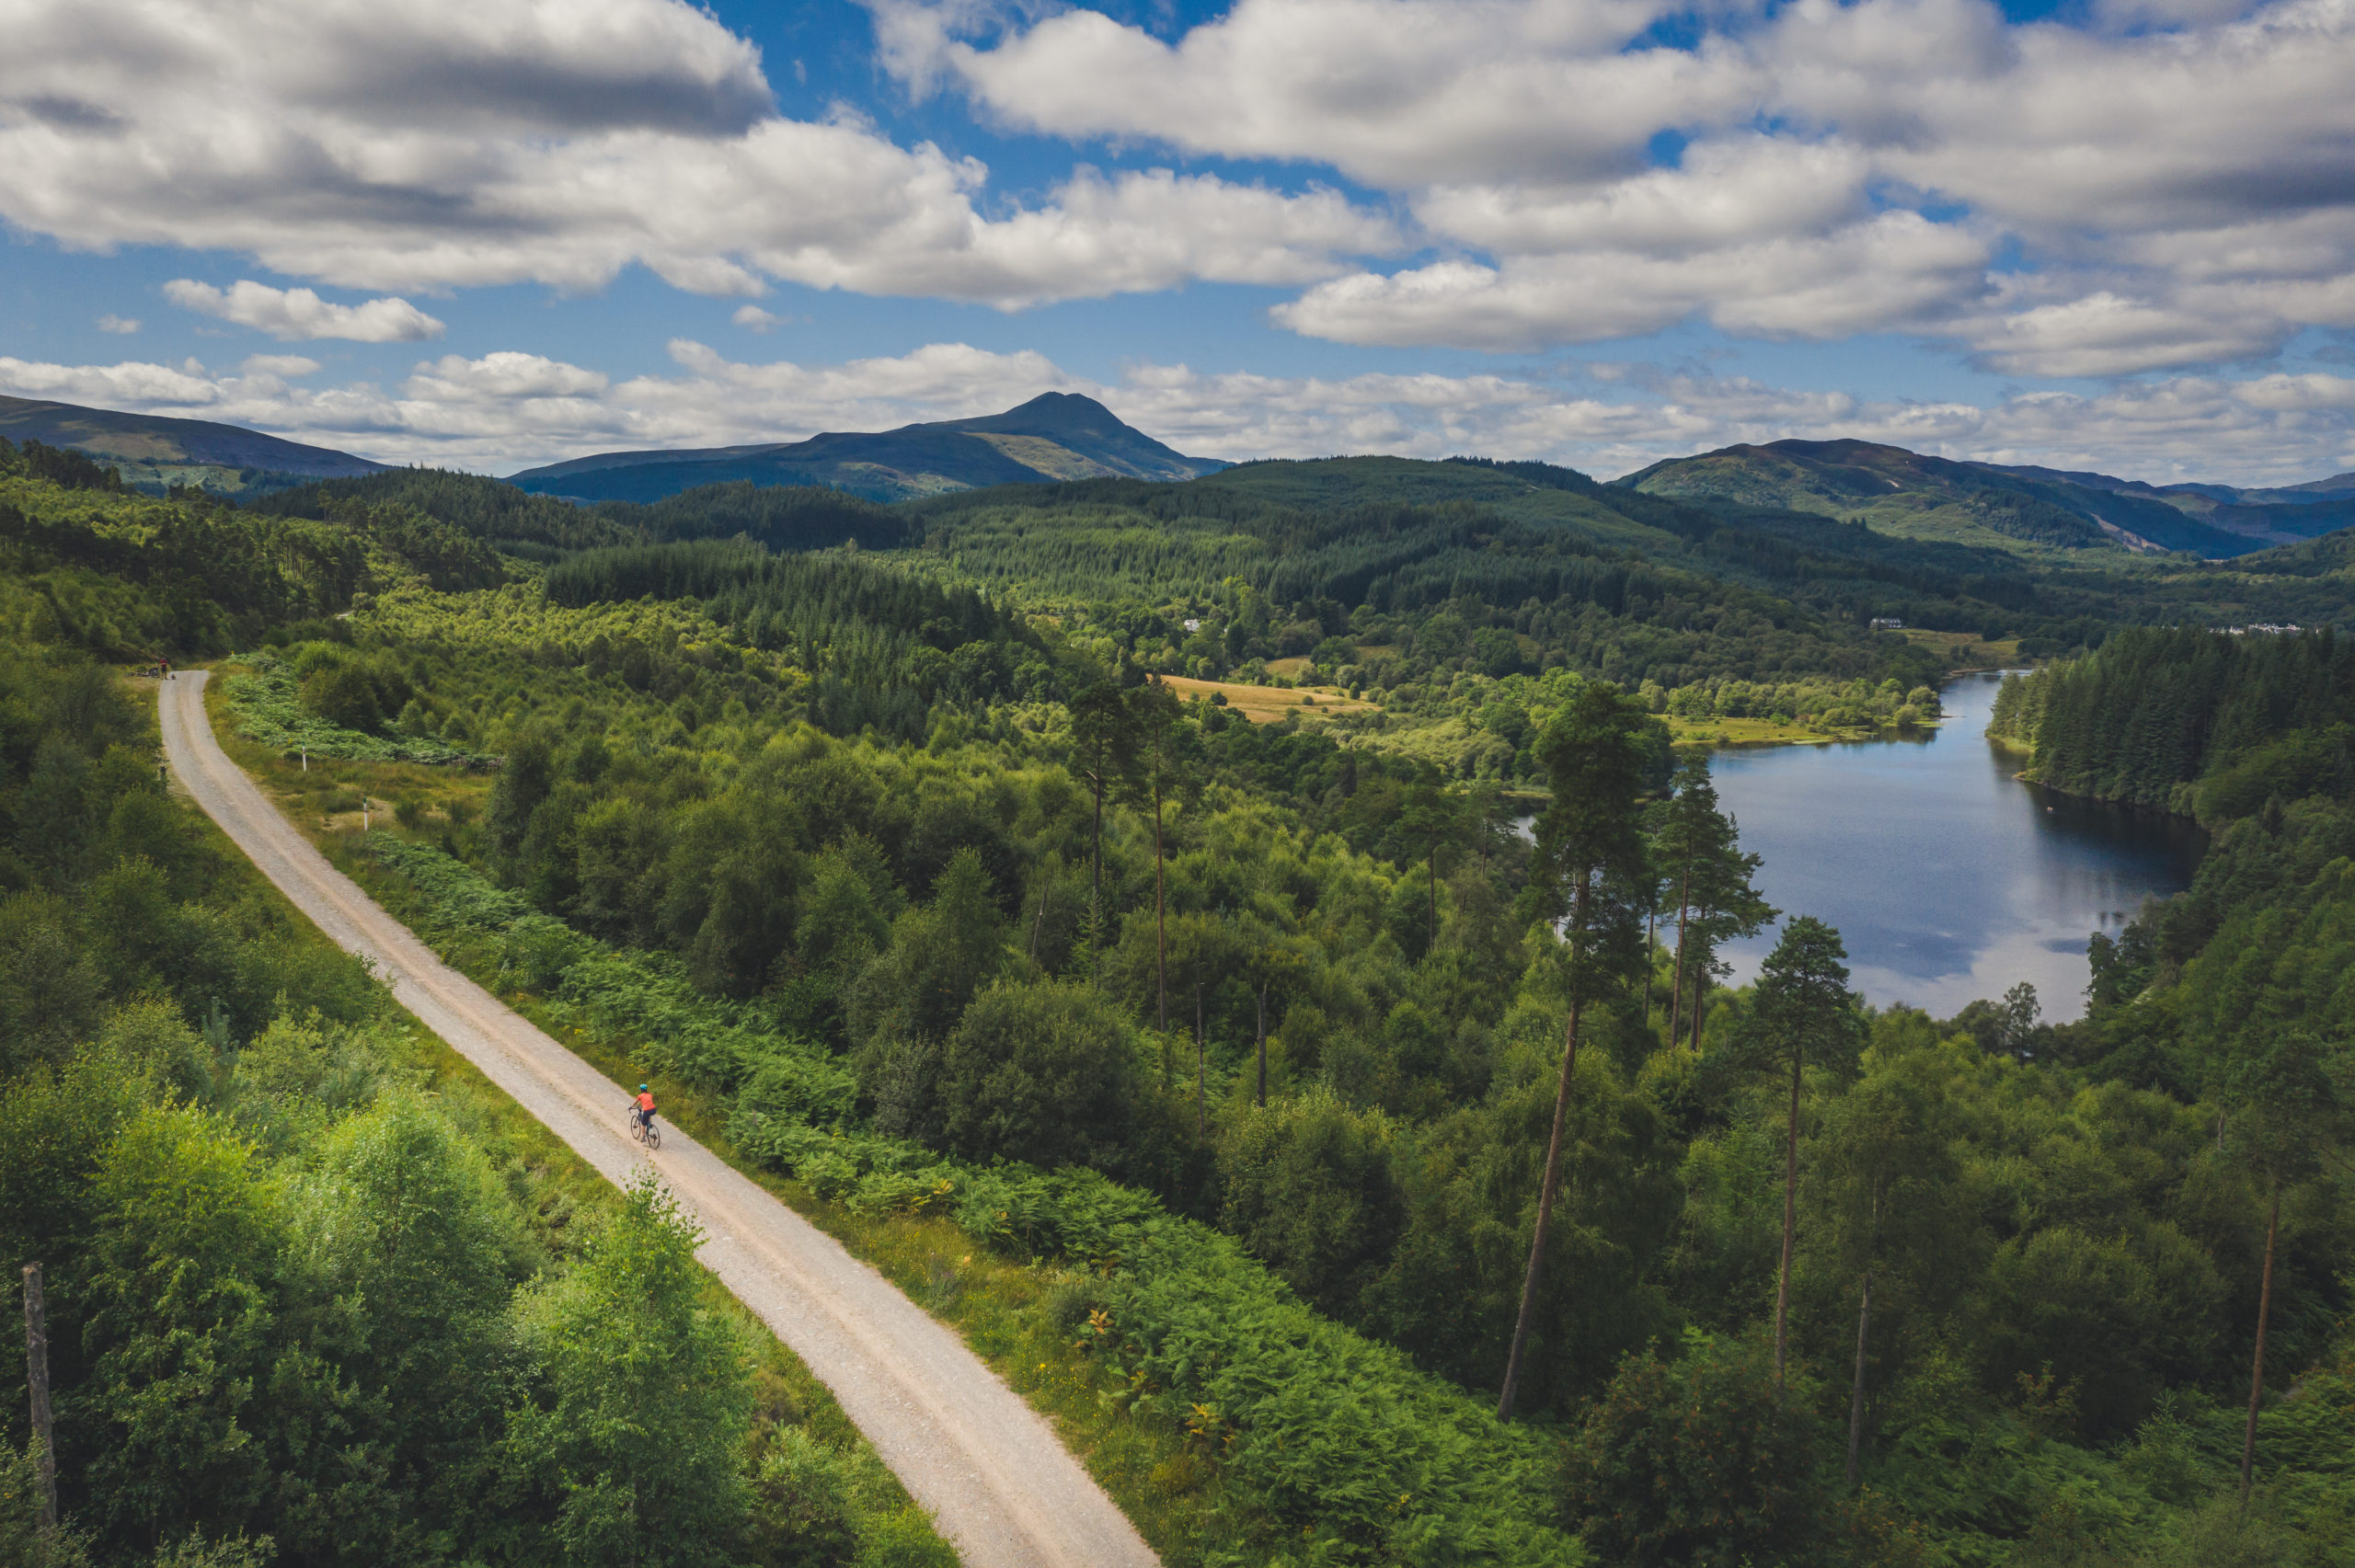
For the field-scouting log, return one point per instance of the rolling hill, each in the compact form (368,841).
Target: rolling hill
(152,452)
(1905,492)
(2282,515)
(1058,435)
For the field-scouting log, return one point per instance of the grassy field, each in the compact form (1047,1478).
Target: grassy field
(1967,650)
(1272,705)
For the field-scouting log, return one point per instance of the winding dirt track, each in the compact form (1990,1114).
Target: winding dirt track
(999,1484)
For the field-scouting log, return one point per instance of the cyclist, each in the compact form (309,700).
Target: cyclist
(645,1104)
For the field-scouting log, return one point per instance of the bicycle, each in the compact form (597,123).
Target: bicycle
(643,1128)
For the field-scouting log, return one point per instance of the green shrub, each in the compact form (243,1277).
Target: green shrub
(1042,1073)
(1698,1460)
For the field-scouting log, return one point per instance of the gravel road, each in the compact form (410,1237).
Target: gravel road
(999,1484)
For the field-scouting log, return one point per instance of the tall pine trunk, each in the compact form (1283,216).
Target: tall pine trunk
(1263,1047)
(1553,1168)
(2257,1372)
(1202,1065)
(1160,912)
(1790,1221)
(1431,864)
(1864,1333)
(1684,913)
(1096,891)
(1651,945)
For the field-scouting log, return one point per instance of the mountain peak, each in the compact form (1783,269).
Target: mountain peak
(1054,436)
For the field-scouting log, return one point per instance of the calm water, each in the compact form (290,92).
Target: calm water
(1947,878)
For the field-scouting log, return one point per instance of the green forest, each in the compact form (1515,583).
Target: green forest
(1386,1184)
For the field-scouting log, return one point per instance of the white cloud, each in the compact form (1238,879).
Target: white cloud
(445,144)
(1892,271)
(2159,184)
(122,325)
(290,366)
(295,314)
(509,410)
(1394,93)
(2176,178)
(752,318)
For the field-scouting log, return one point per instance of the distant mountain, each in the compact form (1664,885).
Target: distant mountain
(1905,492)
(2283,515)
(152,452)
(1058,435)
(2338,488)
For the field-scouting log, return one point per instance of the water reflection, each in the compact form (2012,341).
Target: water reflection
(1948,879)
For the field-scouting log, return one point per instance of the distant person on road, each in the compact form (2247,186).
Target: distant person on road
(644,1107)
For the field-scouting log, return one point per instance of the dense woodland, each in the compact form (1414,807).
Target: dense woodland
(1418,1176)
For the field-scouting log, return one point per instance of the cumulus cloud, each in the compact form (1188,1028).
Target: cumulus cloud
(2167,183)
(294,314)
(446,143)
(508,410)
(2155,185)
(291,367)
(752,318)
(120,326)
(1889,271)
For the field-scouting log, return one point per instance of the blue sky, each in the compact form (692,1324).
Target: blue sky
(485,234)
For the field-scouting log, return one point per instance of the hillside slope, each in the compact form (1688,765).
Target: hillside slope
(1056,435)
(2280,515)
(1895,491)
(152,452)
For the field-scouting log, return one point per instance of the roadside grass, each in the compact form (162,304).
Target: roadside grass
(553,1186)
(1001,1308)
(1004,1308)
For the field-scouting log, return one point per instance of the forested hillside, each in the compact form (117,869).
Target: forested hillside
(1913,495)
(153,452)
(315,1292)
(1391,1186)
(2196,722)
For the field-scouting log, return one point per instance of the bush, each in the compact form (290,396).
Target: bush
(1042,1073)
(345,696)
(1309,1189)
(1697,1461)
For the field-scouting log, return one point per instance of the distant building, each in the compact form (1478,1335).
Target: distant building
(1887,623)
(1193,626)
(2260,629)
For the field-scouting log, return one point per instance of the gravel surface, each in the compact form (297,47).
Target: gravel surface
(998,1483)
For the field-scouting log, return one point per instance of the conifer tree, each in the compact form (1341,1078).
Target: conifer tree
(1803,1012)
(1591,875)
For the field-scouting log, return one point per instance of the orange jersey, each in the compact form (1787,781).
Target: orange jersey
(645,1103)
